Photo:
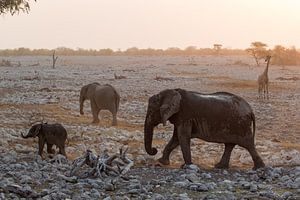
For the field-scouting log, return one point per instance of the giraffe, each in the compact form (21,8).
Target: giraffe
(263,80)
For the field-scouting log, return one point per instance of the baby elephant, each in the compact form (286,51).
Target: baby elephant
(50,134)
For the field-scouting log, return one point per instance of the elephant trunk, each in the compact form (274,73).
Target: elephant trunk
(25,136)
(148,136)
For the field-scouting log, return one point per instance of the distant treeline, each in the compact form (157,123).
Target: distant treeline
(134,51)
(280,55)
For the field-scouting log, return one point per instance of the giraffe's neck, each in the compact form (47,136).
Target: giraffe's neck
(267,67)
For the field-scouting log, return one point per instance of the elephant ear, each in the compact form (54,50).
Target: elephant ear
(37,130)
(170,105)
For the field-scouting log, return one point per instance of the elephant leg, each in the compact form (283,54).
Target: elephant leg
(114,122)
(62,150)
(95,111)
(114,115)
(173,143)
(224,162)
(41,146)
(113,111)
(49,148)
(258,162)
(184,138)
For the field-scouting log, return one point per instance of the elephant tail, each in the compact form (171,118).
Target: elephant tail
(253,123)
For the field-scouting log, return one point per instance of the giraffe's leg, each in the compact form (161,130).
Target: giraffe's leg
(267,87)
(259,90)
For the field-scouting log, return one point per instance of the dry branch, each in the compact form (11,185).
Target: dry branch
(160,78)
(54,59)
(119,77)
(35,64)
(103,165)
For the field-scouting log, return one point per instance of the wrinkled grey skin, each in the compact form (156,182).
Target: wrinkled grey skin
(102,97)
(219,117)
(51,134)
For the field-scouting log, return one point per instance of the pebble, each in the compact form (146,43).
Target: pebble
(286,195)
(109,187)
(183,196)
(253,188)
(25,179)
(206,175)
(158,197)
(269,194)
(296,184)
(200,187)
(181,184)
(52,180)
(192,177)
(191,168)
(245,185)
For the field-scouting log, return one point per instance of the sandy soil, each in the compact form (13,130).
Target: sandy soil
(32,92)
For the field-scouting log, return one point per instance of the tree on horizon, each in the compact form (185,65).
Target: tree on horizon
(257,51)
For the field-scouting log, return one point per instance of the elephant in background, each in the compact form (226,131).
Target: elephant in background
(102,97)
(219,117)
(51,134)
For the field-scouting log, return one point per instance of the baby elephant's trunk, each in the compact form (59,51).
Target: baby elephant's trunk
(24,136)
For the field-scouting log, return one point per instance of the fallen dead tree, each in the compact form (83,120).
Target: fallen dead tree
(160,78)
(103,165)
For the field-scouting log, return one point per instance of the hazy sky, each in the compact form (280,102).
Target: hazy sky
(152,23)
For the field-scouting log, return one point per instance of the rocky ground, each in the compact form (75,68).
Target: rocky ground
(33,90)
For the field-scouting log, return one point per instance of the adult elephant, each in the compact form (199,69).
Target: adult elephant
(102,97)
(219,117)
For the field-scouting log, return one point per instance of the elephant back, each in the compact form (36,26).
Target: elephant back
(106,95)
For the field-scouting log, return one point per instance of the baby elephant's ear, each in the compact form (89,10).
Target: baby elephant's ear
(37,130)
(170,106)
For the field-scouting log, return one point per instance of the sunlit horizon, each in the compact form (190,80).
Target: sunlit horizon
(119,25)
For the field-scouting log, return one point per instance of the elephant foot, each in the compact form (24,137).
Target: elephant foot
(51,151)
(191,167)
(221,165)
(164,161)
(95,121)
(258,165)
(51,156)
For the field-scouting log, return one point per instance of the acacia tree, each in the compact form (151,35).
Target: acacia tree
(279,55)
(14,6)
(257,51)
